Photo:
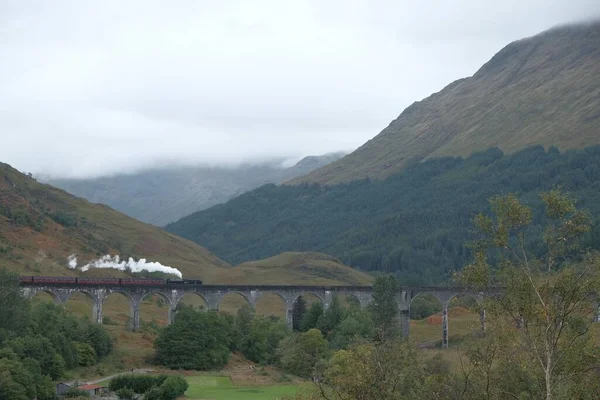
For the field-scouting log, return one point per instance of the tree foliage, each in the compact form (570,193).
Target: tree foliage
(384,308)
(551,297)
(298,312)
(301,353)
(259,343)
(137,383)
(156,387)
(196,340)
(386,371)
(40,343)
(312,316)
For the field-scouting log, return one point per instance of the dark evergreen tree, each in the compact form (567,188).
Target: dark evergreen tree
(331,317)
(312,317)
(384,308)
(298,312)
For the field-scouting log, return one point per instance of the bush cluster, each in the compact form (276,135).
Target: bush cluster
(154,387)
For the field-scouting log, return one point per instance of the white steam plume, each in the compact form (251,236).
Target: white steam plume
(114,262)
(72,261)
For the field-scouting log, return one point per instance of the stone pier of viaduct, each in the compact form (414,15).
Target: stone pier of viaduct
(213,295)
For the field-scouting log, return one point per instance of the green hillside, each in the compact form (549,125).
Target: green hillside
(40,226)
(295,268)
(542,90)
(414,223)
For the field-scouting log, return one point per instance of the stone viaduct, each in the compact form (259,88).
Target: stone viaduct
(213,295)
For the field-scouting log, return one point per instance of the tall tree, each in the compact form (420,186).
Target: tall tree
(14,308)
(384,308)
(312,317)
(551,297)
(298,312)
(331,317)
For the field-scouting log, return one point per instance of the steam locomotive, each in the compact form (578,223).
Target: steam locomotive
(67,280)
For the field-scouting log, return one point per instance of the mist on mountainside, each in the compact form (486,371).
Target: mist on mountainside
(163,195)
(542,90)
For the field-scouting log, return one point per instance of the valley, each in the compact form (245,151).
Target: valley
(163,195)
(456,255)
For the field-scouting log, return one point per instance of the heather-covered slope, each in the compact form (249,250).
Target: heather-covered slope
(40,226)
(540,90)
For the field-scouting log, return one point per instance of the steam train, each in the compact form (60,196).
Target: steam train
(67,280)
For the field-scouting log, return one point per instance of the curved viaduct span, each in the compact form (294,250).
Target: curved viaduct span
(213,295)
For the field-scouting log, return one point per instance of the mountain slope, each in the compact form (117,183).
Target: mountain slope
(416,223)
(160,196)
(40,226)
(541,90)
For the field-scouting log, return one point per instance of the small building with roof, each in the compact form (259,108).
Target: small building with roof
(93,390)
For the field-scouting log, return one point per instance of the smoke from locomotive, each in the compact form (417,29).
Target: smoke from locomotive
(114,262)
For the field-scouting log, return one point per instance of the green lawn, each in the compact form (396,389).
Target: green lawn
(221,388)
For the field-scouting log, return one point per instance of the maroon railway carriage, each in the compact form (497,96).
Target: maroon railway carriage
(106,281)
(54,279)
(97,281)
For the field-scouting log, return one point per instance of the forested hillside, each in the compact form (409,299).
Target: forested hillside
(543,90)
(415,223)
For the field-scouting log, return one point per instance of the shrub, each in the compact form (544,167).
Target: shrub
(173,387)
(138,383)
(125,394)
(86,355)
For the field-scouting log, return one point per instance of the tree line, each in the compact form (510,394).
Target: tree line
(415,224)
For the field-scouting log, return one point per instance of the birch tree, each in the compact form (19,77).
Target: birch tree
(549,297)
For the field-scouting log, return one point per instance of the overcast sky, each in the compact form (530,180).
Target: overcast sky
(90,88)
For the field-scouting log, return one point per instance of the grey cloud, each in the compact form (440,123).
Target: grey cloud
(96,88)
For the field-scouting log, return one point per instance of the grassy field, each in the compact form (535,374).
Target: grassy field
(222,388)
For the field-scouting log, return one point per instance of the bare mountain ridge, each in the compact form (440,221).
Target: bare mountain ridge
(541,90)
(162,195)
